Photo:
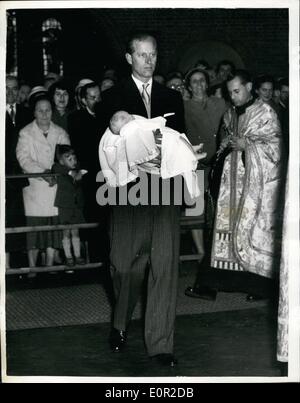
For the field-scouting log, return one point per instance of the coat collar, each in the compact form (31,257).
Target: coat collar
(39,133)
(242,109)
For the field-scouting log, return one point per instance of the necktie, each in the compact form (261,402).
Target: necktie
(146,99)
(12,114)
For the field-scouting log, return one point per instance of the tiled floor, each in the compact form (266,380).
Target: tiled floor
(84,298)
(58,325)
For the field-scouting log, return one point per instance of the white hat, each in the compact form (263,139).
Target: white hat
(83,82)
(38,90)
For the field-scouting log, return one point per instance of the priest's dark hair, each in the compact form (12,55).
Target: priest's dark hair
(243,75)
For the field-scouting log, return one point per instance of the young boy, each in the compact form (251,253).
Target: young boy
(69,200)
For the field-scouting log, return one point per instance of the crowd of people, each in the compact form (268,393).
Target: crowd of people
(242,124)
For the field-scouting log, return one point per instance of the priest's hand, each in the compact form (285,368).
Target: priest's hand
(238,144)
(198,149)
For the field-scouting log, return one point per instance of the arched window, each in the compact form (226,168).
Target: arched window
(51,34)
(12,56)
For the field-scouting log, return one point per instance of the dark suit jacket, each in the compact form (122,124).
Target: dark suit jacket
(84,132)
(23,117)
(13,191)
(125,96)
(139,228)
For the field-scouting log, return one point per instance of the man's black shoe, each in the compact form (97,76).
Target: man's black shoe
(207,293)
(166,360)
(117,340)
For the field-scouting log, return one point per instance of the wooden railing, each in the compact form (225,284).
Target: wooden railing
(186,223)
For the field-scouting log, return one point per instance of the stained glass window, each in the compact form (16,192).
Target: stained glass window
(12,56)
(51,34)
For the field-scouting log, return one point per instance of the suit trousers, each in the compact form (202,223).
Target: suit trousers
(145,241)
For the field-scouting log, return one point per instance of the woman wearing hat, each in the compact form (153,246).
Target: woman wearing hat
(35,152)
(79,86)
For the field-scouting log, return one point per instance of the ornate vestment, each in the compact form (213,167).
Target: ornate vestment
(283,305)
(248,214)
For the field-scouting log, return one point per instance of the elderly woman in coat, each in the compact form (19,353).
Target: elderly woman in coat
(35,152)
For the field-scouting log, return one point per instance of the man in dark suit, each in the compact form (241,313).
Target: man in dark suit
(17,116)
(145,237)
(84,129)
(283,113)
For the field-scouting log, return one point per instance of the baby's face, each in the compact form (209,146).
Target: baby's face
(119,120)
(68,160)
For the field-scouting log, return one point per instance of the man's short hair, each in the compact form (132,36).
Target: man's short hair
(174,74)
(138,36)
(283,82)
(243,75)
(11,77)
(202,62)
(225,62)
